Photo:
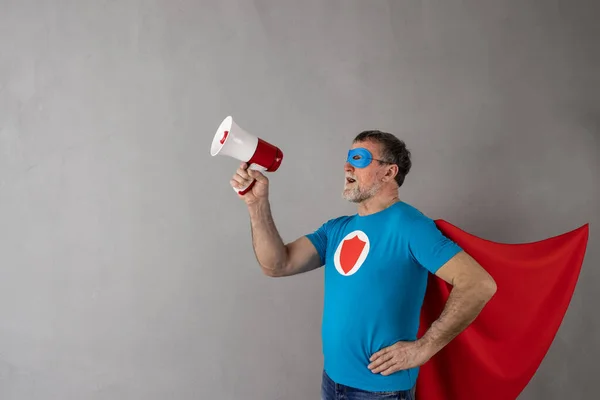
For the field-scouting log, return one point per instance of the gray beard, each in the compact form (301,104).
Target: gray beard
(357,195)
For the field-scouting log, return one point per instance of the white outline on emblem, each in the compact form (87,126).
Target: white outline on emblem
(363,255)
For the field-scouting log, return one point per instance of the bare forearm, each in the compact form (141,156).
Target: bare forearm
(268,246)
(461,309)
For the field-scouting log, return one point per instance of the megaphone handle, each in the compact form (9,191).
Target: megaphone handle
(248,188)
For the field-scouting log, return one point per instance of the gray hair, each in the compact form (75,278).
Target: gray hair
(393,151)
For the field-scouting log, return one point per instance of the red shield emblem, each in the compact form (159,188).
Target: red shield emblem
(351,253)
(351,250)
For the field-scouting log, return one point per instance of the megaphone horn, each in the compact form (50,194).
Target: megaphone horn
(231,140)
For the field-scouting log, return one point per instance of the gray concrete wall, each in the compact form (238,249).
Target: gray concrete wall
(126,266)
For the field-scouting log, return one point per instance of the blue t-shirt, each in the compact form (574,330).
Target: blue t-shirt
(376,271)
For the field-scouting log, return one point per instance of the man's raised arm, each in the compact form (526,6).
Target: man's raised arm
(275,258)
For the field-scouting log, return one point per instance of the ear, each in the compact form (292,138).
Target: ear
(390,173)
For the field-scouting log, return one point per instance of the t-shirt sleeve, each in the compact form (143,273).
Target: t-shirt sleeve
(319,240)
(428,245)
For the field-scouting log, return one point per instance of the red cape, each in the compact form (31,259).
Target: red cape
(498,354)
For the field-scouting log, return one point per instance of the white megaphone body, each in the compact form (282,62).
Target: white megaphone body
(231,140)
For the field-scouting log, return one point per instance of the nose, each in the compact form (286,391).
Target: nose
(348,167)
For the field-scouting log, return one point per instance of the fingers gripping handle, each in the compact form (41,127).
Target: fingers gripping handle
(242,191)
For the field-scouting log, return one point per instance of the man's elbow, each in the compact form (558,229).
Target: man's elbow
(481,287)
(275,271)
(488,288)
(271,273)
(276,267)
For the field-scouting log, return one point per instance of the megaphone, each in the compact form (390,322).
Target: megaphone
(231,140)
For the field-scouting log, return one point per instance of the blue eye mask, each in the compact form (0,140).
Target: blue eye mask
(360,157)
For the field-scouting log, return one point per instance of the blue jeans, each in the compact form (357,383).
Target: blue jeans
(335,391)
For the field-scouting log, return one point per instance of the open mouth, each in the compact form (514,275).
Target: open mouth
(350,180)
